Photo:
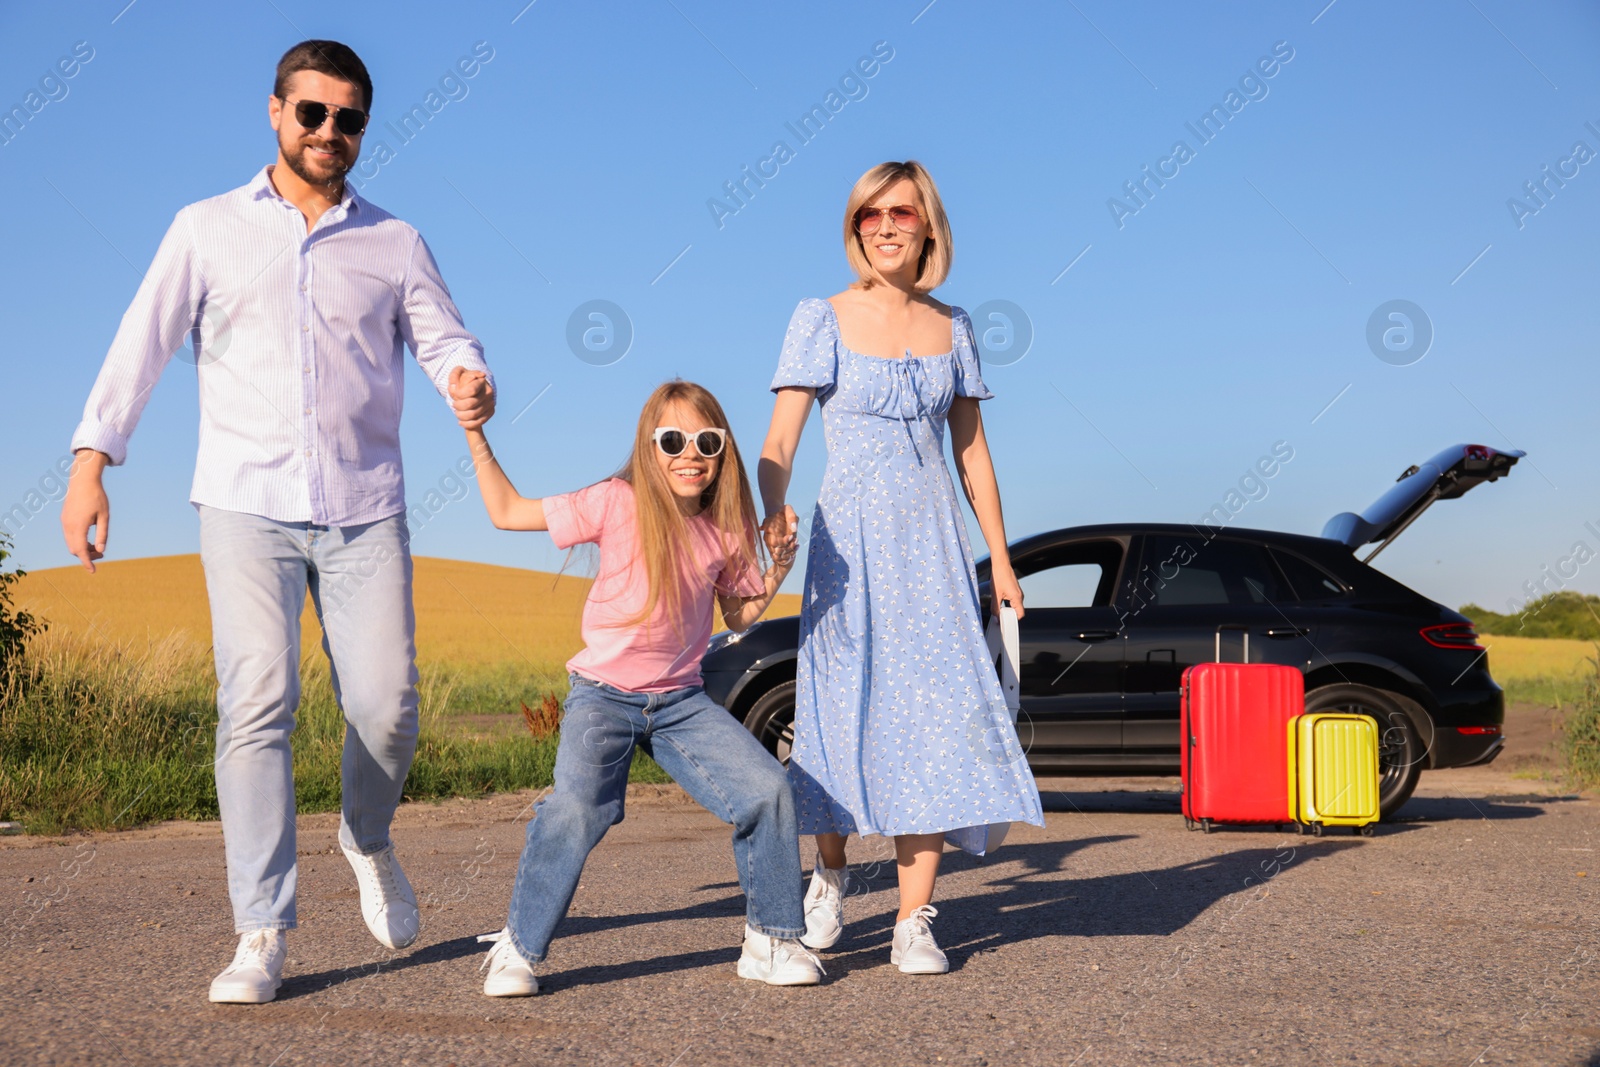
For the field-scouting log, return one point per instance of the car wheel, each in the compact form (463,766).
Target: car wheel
(1401,752)
(771,720)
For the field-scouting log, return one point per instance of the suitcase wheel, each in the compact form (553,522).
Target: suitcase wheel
(1205,826)
(1365,831)
(1299,828)
(1316,829)
(1188,823)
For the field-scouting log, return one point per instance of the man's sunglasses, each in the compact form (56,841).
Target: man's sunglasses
(672,441)
(312,114)
(869,219)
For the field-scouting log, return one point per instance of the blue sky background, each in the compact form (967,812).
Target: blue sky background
(1221,318)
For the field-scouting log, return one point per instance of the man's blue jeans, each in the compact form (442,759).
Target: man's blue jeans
(706,751)
(257,574)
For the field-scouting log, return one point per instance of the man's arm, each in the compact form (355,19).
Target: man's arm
(164,309)
(446,351)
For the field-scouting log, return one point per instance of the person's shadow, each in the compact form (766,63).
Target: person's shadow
(1036,902)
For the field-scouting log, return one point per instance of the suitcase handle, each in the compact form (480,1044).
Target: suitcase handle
(1245,630)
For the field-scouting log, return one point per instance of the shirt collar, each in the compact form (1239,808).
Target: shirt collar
(261,188)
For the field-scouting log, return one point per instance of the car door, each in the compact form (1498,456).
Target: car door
(1193,597)
(1071,646)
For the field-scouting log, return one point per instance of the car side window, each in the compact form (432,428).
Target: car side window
(1071,576)
(1186,571)
(1309,581)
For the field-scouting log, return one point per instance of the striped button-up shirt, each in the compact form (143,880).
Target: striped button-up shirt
(297,339)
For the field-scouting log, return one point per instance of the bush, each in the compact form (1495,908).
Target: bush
(1582,730)
(97,736)
(1562,614)
(15,627)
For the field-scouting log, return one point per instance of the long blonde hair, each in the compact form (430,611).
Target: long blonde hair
(664,540)
(933,266)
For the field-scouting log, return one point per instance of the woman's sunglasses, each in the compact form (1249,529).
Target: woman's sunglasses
(312,114)
(672,441)
(905,217)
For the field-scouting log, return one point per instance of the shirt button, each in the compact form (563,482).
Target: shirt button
(302,288)
(308,451)
(305,329)
(305,370)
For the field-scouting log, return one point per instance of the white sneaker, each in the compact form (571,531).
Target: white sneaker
(825,906)
(509,974)
(256,971)
(778,961)
(915,951)
(387,903)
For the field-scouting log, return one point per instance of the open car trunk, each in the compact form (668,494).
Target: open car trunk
(1444,477)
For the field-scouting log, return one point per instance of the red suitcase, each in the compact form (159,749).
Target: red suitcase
(1235,740)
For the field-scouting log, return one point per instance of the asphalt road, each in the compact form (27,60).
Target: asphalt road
(1461,935)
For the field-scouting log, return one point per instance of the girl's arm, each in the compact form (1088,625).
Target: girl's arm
(976,470)
(741,612)
(507,509)
(789,413)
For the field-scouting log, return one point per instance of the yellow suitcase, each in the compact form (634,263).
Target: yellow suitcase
(1333,771)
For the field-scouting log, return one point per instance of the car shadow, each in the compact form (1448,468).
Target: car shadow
(1461,806)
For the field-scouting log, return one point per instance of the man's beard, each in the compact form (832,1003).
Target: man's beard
(295,156)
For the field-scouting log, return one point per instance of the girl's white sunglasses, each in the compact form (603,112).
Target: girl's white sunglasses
(708,442)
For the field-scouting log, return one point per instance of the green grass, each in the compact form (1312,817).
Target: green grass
(96,736)
(1581,743)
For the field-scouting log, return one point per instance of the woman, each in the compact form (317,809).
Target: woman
(900,723)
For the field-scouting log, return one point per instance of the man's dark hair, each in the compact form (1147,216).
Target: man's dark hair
(325,57)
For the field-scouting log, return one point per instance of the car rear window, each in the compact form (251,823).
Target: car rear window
(1310,582)
(1181,571)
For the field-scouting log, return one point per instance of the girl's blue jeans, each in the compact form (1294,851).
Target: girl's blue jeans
(707,752)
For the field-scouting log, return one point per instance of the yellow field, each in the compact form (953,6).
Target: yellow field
(467,613)
(1515,658)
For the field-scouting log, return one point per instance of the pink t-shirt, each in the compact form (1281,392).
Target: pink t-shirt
(655,656)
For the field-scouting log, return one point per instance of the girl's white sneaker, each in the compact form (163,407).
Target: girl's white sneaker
(509,974)
(825,906)
(778,961)
(915,951)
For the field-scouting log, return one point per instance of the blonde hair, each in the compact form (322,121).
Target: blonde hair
(663,534)
(934,265)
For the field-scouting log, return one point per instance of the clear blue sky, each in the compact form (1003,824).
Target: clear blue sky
(1221,317)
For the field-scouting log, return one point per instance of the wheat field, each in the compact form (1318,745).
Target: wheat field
(468,614)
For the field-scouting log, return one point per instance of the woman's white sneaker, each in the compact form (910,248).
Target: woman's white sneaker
(825,906)
(256,971)
(915,951)
(778,961)
(388,905)
(509,974)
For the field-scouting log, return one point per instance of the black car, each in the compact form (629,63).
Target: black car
(1116,612)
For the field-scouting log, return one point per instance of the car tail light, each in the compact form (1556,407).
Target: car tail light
(1493,731)
(1452,635)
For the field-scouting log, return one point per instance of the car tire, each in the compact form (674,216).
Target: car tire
(1401,751)
(771,720)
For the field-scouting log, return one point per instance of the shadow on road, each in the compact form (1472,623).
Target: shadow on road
(1043,899)
(1445,809)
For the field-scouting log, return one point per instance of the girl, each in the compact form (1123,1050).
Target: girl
(900,721)
(675,528)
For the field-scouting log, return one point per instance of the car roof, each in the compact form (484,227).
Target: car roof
(1178,529)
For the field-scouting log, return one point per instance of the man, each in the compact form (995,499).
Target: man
(299,296)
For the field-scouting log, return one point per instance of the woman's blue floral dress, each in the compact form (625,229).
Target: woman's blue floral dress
(900,723)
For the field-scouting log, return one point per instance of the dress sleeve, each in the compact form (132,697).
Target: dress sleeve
(580,518)
(968,368)
(810,357)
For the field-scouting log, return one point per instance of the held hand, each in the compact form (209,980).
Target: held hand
(1005,587)
(472,397)
(86,505)
(781,533)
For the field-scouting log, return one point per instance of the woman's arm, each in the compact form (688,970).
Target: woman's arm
(507,509)
(976,470)
(789,413)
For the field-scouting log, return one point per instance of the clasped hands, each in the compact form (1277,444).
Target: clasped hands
(781,531)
